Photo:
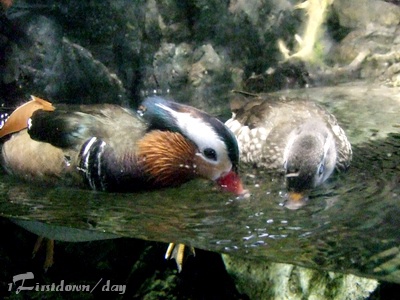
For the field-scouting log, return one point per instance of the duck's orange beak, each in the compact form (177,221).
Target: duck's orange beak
(296,200)
(231,182)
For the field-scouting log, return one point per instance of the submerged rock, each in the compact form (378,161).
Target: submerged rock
(269,280)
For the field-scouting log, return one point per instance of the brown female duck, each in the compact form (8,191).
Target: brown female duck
(296,137)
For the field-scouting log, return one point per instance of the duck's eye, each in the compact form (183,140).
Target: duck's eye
(321,169)
(210,153)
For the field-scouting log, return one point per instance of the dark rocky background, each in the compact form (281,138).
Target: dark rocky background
(197,52)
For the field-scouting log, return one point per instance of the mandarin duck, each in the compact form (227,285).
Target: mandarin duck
(297,138)
(110,148)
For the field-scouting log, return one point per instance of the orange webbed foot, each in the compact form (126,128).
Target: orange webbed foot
(177,252)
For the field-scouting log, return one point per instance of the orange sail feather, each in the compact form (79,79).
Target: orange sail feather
(18,120)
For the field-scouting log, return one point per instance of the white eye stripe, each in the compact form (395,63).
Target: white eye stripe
(201,133)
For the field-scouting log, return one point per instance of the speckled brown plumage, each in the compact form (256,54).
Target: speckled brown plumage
(262,128)
(297,138)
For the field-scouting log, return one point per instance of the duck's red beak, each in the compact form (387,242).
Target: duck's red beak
(231,182)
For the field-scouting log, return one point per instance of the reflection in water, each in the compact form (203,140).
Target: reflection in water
(350,224)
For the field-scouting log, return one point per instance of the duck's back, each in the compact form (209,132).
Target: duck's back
(70,126)
(55,139)
(263,127)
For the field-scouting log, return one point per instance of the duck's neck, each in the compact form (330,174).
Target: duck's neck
(162,159)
